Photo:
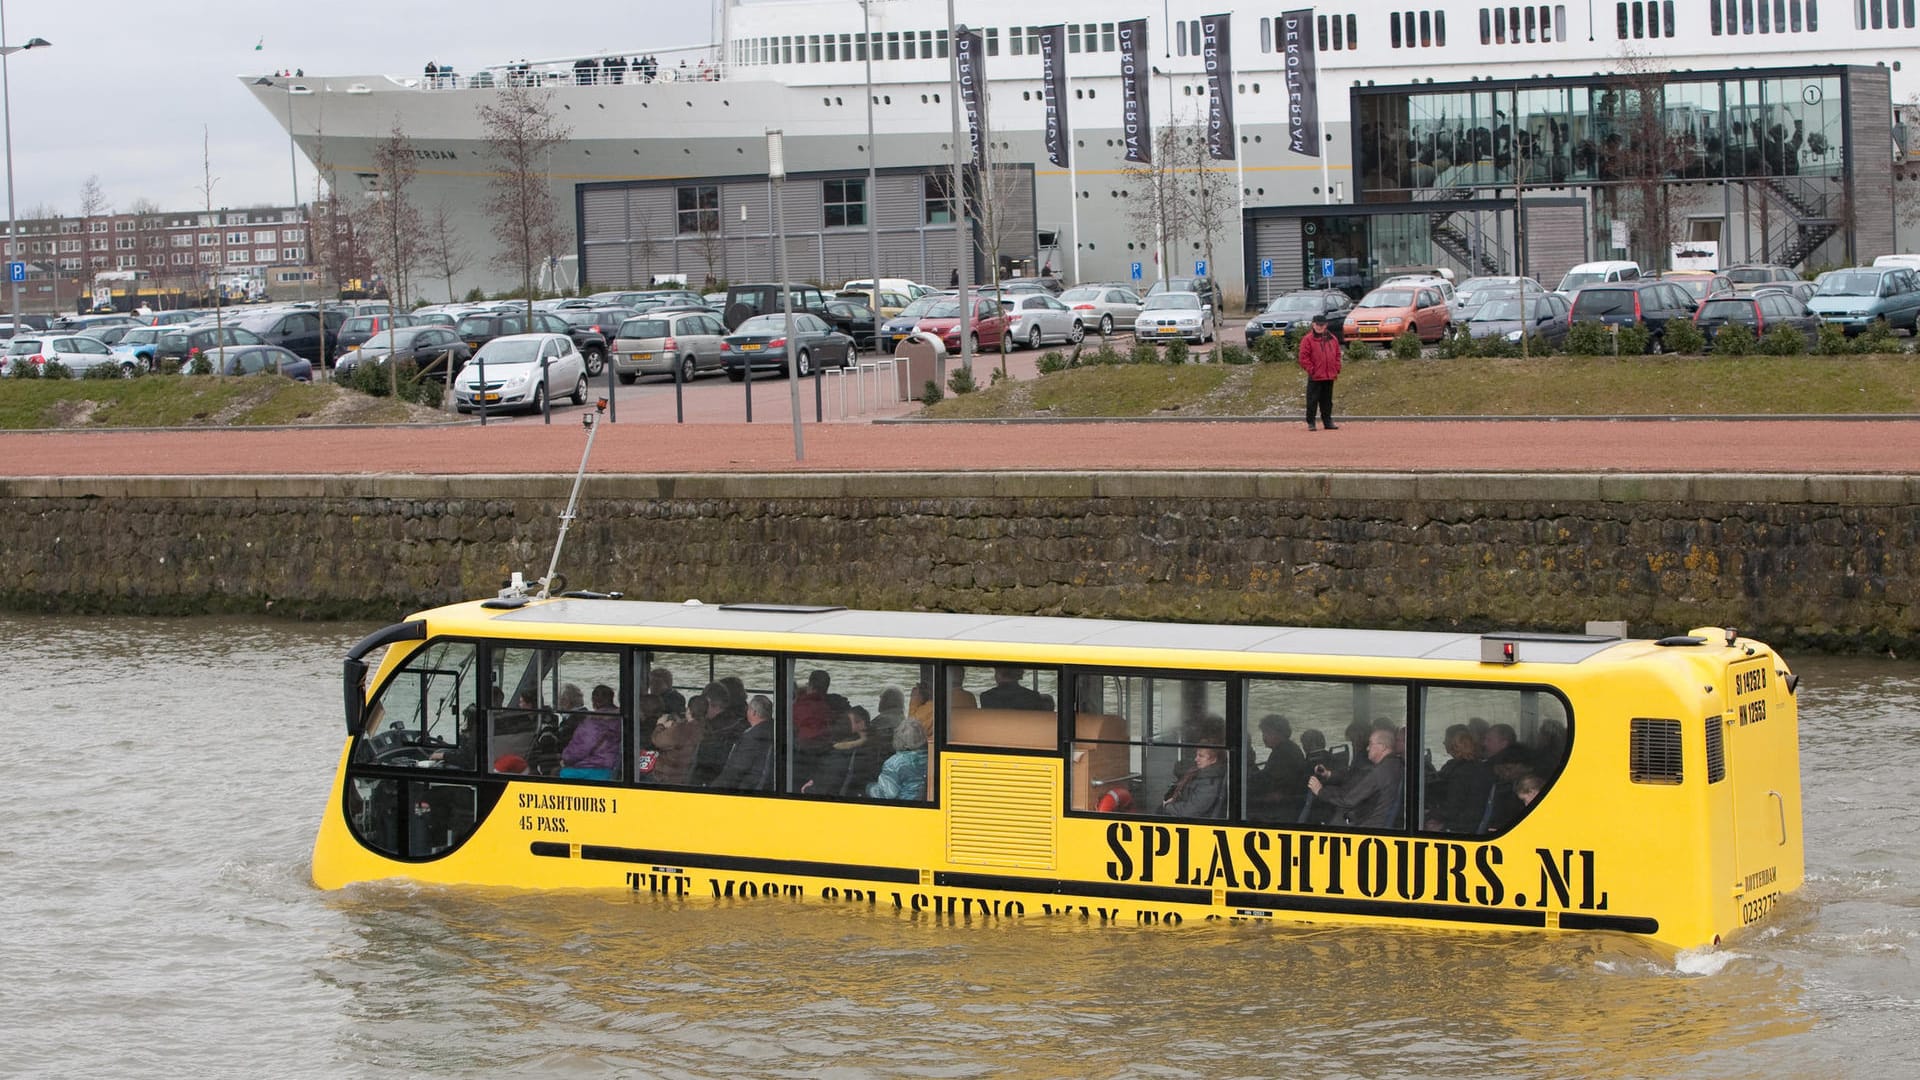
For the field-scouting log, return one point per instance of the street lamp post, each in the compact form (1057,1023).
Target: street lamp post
(6,92)
(777,172)
(293,159)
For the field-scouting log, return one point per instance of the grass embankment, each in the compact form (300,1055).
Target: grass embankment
(174,402)
(1559,386)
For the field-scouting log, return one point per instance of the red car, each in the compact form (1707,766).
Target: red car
(990,323)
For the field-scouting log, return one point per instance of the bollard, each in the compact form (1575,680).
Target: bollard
(818,412)
(613,412)
(679,402)
(746,364)
(482,403)
(546,395)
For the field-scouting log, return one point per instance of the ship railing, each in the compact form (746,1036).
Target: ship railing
(672,66)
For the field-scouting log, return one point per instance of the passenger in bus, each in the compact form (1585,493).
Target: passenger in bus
(812,725)
(676,739)
(1504,753)
(1506,812)
(904,775)
(1278,789)
(1458,797)
(660,684)
(1008,692)
(749,765)
(889,712)
(724,724)
(593,753)
(1549,748)
(958,696)
(1201,792)
(867,748)
(921,706)
(1370,798)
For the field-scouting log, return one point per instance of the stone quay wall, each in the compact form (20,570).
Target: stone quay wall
(1826,562)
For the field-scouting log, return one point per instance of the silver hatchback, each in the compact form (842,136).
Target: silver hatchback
(663,342)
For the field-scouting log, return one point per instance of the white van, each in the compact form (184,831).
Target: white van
(1598,273)
(913,290)
(1911,262)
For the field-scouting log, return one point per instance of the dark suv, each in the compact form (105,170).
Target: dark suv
(1635,303)
(746,301)
(306,333)
(477,330)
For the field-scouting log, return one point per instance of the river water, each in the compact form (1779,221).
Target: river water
(166,777)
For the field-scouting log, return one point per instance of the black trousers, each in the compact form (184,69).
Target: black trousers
(1320,395)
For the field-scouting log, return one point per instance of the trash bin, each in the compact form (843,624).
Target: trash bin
(918,361)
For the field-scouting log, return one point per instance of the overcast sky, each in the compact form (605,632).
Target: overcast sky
(126,89)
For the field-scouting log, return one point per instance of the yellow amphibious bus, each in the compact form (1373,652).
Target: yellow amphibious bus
(977,766)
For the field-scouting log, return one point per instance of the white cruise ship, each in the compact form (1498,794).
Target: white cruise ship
(1775,130)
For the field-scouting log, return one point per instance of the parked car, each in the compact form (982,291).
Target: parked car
(1598,273)
(1433,281)
(437,347)
(435,318)
(1475,291)
(361,327)
(636,298)
(479,328)
(1297,308)
(258,360)
(111,335)
(761,343)
(1035,318)
(307,333)
(138,345)
(173,318)
(512,364)
(1800,290)
(661,342)
(895,330)
(1045,283)
(1747,276)
(1391,310)
(181,344)
(1170,315)
(1702,285)
(1758,312)
(1103,308)
(852,318)
(1854,299)
(912,290)
(1645,303)
(1208,289)
(76,351)
(988,326)
(747,300)
(886,303)
(1547,316)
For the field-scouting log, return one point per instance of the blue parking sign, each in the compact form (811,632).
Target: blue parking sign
(16,271)
(1326,268)
(1199,268)
(1136,271)
(1266,267)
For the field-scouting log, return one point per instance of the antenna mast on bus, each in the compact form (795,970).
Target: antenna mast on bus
(588,421)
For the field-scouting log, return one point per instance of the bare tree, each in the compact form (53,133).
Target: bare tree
(447,256)
(1906,178)
(521,133)
(93,201)
(1212,207)
(1158,206)
(390,222)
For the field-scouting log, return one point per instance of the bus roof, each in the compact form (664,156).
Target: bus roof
(1036,630)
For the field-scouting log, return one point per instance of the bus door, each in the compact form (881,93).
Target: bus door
(1758,756)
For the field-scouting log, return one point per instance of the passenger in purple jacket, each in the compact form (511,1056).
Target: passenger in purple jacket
(594,751)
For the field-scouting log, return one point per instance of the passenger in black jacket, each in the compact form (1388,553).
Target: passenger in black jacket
(749,764)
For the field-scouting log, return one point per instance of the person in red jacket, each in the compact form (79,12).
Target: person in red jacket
(1320,359)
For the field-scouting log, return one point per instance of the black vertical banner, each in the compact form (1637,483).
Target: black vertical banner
(1053,91)
(1136,127)
(1303,82)
(1216,52)
(971,59)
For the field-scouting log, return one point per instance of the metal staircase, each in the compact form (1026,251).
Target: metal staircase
(1461,242)
(1811,204)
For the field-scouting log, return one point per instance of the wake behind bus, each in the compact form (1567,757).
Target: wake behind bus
(994,766)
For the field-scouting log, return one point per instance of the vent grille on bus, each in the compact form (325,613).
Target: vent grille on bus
(1001,811)
(1654,756)
(1716,750)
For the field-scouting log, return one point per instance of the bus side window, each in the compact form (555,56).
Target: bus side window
(541,701)
(1488,755)
(851,734)
(1149,744)
(1298,730)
